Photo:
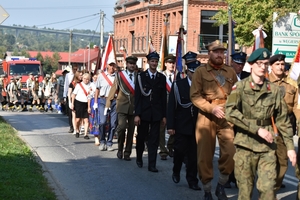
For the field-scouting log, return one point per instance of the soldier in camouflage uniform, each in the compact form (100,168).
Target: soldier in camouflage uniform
(210,87)
(251,106)
(278,77)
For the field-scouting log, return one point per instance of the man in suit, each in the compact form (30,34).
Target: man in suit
(181,123)
(170,77)
(150,110)
(238,62)
(124,87)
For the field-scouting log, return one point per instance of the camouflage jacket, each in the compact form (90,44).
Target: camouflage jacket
(250,106)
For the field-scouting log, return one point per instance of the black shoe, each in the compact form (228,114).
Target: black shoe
(86,137)
(194,187)
(127,158)
(120,154)
(220,192)
(171,153)
(152,169)
(207,196)
(163,157)
(71,130)
(227,184)
(77,135)
(176,178)
(139,163)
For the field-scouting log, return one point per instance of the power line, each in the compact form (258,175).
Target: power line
(82,22)
(68,20)
(61,7)
(108,20)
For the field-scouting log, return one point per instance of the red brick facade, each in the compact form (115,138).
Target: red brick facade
(135,21)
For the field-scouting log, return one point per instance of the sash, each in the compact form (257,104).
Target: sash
(126,79)
(86,94)
(168,85)
(107,79)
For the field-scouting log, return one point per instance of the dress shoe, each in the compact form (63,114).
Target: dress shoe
(71,130)
(163,157)
(176,178)
(194,187)
(127,158)
(139,163)
(207,196)
(120,154)
(77,135)
(220,192)
(152,169)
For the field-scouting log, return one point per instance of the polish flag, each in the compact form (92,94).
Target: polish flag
(295,68)
(109,53)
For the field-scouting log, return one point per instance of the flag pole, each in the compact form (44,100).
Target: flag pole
(230,42)
(164,43)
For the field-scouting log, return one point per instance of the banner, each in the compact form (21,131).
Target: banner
(109,53)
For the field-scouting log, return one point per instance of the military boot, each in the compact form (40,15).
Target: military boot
(208,196)
(220,192)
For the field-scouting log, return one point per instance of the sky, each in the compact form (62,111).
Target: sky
(60,14)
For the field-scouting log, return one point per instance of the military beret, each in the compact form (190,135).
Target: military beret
(170,59)
(153,55)
(259,54)
(215,46)
(276,57)
(131,59)
(239,57)
(190,57)
(191,66)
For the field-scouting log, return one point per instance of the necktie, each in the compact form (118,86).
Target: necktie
(170,78)
(152,77)
(130,76)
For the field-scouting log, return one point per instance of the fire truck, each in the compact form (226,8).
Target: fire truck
(21,66)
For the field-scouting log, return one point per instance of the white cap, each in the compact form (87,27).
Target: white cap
(111,60)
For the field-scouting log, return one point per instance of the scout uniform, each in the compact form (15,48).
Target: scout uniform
(210,87)
(35,90)
(250,107)
(20,95)
(12,91)
(123,86)
(291,99)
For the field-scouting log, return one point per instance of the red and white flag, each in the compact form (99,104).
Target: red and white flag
(295,68)
(109,53)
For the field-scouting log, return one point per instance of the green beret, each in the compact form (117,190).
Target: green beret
(259,54)
(131,59)
(170,59)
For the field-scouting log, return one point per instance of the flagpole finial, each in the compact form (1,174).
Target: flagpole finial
(111,34)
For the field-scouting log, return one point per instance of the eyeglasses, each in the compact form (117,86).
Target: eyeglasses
(265,64)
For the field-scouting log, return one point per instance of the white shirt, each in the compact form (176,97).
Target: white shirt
(80,95)
(68,79)
(103,85)
(150,73)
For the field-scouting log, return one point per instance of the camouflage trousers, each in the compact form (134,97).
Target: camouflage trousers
(247,165)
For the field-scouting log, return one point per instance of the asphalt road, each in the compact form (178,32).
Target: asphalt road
(77,170)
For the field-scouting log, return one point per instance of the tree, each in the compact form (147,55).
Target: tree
(249,14)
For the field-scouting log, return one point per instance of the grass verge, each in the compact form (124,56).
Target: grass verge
(21,177)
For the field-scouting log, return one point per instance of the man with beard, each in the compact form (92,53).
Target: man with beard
(210,87)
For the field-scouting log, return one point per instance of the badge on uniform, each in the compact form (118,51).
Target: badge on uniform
(233,87)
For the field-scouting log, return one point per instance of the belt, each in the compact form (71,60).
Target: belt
(217,101)
(261,122)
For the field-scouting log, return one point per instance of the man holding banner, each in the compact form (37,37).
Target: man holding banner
(123,86)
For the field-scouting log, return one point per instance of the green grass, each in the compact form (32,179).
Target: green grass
(21,177)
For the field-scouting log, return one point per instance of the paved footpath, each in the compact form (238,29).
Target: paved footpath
(76,169)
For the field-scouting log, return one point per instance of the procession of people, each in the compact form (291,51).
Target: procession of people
(252,115)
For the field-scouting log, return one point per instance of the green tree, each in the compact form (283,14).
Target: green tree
(40,57)
(55,58)
(249,14)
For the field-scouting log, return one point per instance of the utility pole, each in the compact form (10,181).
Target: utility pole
(70,48)
(185,23)
(102,15)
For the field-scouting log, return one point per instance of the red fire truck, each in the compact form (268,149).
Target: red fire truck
(21,66)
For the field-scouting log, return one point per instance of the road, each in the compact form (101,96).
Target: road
(77,170)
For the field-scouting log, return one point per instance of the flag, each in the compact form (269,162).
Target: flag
(295,68)
(150,46)
(259,42)
(109,53)
(163,53)
(179,50)
(232,45)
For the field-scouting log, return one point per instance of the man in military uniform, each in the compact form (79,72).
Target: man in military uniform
(170,77)
(124,84)
(252,106)
(298,152)
(150,110)
(278,77)
(210,87)
(181,124)
(238,62)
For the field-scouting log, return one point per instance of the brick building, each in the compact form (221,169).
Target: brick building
(135,21)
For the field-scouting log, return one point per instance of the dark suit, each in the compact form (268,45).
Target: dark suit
(183,121)
(151,109)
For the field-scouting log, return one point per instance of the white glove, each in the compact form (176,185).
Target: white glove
(105,111)
(70,105)
(95,106)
